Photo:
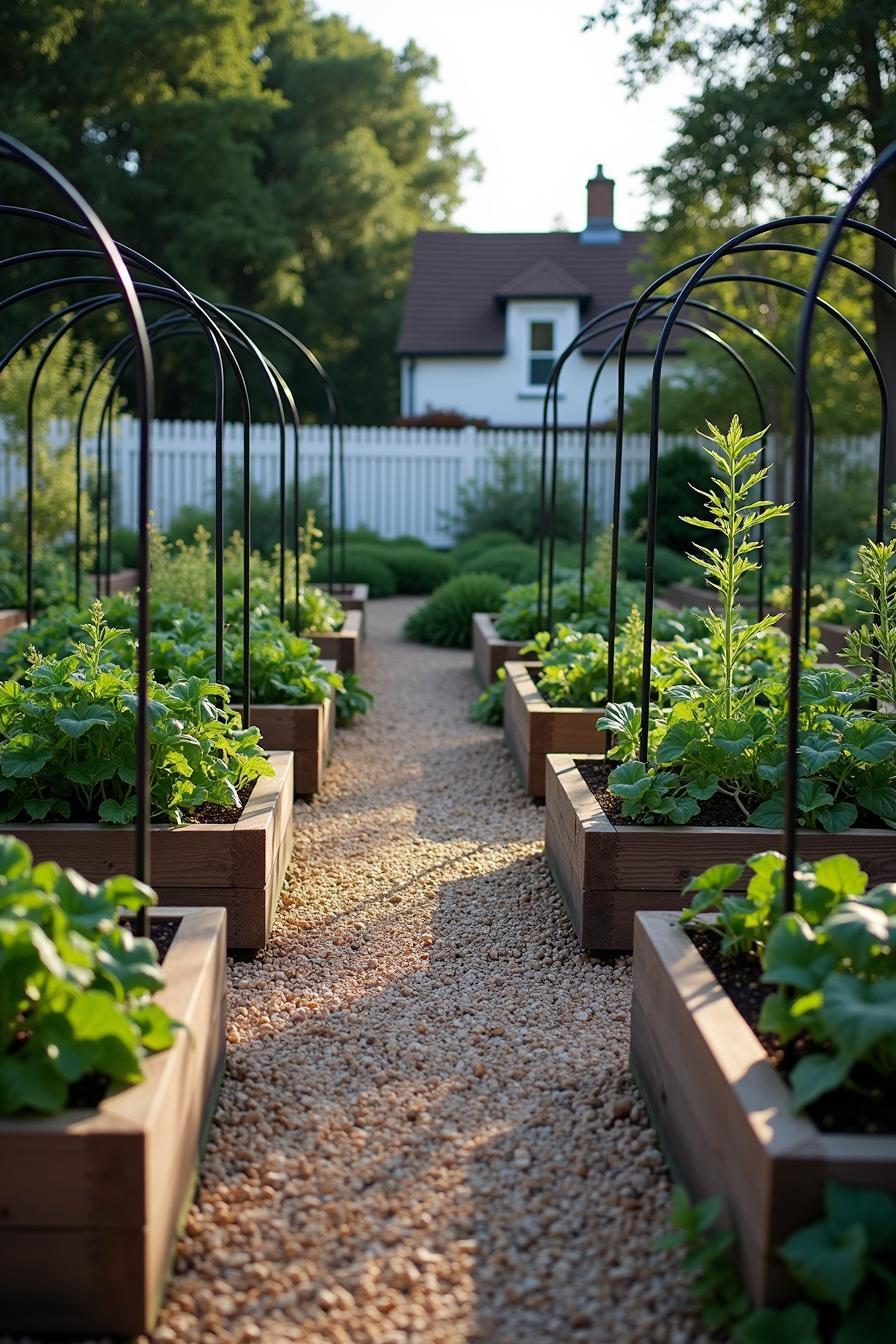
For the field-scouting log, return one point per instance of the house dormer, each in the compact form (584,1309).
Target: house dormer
(487,314)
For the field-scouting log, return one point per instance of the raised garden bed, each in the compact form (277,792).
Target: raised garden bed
(10,619)
(305,730)
(723,1112)
(533,728)
(122,581)
(88,1246)
(351,596)
(607,873)
(237,865)
(344,646)
(490,651)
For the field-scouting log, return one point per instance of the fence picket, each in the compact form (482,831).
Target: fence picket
(398,480)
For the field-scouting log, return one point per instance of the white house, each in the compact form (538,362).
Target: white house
(486,314)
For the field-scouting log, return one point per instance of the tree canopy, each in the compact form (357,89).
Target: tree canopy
(263,153)
(793,101)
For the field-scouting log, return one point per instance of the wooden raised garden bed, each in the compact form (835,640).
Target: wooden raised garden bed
(607,873)
(93,1200)
(533,728)
(123,581)
(305,730)
(238,865)
(351,596)
(344,646)
(10,619)
(490,651)
(724,1113)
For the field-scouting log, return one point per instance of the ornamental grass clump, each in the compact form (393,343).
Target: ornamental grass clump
(77,986)
(67,739)
(727,737)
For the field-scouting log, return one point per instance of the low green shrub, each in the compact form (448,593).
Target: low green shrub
(446,616)
(668,566)
(77,985)
(361,563)
(418,569)
(468,550)
(682,472)
(513,561)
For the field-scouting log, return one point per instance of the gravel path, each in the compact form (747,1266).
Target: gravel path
(427,1133)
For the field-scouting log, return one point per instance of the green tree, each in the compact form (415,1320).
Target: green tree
(264,155)
(794,100)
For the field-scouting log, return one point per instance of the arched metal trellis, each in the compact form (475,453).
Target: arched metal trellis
(14,152)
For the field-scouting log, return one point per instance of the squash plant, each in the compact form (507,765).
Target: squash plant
(728,737)
(76,986)
(67,739)
(286,668)
(833,961)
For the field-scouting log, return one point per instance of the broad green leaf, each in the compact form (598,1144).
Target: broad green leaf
(157,1031)
(677,740)
(796,1324)
(859,1013)
(816,1075)
(30,1084)
(769,814)
(15,858)
(131,961)
(717,879)
(24,755)
(841,874)
(119,814)
(79,719)
(793,955)
(828,1263)
(838,817)
(869,741)
(875,1210)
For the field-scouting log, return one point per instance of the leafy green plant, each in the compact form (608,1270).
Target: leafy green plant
(872,647)
(725,733)
(352,699)
(488,708)
(833,960)
(733,515)
(286,668)
(845,1262)
(67,739)
(77,985)
(446,616)
(707,1255)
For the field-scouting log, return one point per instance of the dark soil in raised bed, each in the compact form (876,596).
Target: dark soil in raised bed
(218,812)
(867,1108)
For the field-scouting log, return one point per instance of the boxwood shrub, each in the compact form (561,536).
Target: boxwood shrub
(446,616)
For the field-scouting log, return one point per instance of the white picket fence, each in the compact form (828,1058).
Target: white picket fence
(398,480)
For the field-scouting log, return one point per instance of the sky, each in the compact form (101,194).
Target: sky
(543,102)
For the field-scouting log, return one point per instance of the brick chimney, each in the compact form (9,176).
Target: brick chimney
(600,227)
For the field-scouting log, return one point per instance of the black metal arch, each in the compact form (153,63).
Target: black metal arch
(13,151)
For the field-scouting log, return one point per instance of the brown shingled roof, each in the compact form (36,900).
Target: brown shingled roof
(453,302)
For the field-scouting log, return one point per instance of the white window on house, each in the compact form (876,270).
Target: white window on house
(540,355)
